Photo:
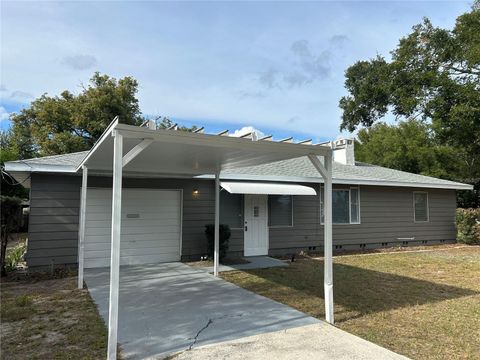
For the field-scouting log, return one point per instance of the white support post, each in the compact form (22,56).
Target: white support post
(326,171)
(81,226)
(216,250)
(328,241)
(115,246)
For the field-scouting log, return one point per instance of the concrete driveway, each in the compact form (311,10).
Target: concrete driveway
(168,308)
(165,308)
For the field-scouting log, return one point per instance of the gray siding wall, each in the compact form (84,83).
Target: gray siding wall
(55,201)
(386,214)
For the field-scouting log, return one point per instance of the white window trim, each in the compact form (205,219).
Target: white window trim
(279,226)
(349,206)
(428,208)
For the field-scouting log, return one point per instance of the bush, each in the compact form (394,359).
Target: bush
(14,257)
(23,300)
(11,219)
(223,240)
(468,226)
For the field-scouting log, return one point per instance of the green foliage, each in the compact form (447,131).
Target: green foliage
(68,122)
(23,300)
(9,152)
(225,234)
(467,198)
(409,146)
(434,75)
(468,226)
(14,257)
(10,218)
(165,123)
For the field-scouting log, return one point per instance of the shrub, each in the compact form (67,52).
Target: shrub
(14,257)
(223,239)
(468,226)
(23,300)
(11,218)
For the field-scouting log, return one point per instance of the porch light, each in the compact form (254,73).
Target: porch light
(195,192)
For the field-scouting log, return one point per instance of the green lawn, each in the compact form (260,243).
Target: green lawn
(50,319)
(425,305)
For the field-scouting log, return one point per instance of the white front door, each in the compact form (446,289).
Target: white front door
(256,225)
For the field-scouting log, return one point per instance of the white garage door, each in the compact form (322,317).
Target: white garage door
(151,226)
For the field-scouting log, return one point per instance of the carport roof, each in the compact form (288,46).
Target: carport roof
(171,152)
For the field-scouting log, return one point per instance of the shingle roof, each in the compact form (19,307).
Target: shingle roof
(72,159)
(361,173)
(294,170)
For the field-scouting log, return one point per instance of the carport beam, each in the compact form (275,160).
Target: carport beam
(217,225)
(326,171)
(115,252)
(81,226)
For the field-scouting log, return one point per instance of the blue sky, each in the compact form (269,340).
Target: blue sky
(275,66)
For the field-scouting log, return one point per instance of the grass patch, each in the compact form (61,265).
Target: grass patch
(50,319)
(424,305)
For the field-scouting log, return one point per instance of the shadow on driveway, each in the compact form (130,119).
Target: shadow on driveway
(165,308)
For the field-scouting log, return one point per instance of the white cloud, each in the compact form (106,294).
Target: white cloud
(248,129)
(4,115)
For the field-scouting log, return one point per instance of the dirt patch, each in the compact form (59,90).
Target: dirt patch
(50,319)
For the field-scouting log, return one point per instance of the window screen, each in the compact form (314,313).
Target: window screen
(280,210)
(346,205)
(421,206)
(231,209)
(340,206)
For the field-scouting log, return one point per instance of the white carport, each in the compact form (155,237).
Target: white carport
(143,152)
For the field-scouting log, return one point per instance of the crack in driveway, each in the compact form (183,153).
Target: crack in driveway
(210,321)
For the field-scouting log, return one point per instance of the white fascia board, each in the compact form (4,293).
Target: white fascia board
(100,140)
(14,166)
(454,186)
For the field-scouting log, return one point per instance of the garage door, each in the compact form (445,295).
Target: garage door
(151,226)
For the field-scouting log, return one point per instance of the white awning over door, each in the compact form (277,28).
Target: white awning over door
(267,188)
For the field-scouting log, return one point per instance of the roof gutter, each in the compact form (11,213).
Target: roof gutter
(15,166)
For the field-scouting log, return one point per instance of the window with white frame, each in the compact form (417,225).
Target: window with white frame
(420,206)
(231,209)
(345,205)
(280,210)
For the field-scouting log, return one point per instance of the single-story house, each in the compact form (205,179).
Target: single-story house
(273,208)
(145,195)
